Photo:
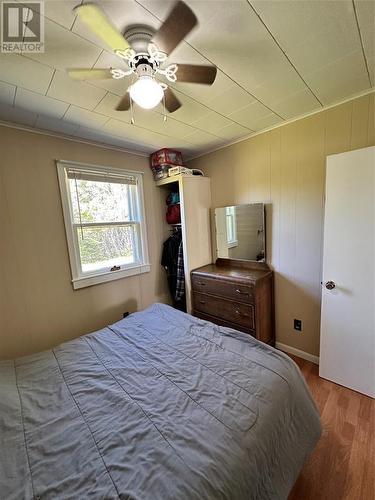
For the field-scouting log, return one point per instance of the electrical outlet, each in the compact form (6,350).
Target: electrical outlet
(298,325)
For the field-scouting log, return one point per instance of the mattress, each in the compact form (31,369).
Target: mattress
(161,405)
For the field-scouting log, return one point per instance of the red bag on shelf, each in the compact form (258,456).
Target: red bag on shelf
(165,156)
(173,214)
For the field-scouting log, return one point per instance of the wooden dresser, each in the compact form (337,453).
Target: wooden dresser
(237,294)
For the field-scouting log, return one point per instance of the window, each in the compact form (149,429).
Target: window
(230,213)
(104,222)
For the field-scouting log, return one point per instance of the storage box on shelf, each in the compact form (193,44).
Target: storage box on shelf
(162,160)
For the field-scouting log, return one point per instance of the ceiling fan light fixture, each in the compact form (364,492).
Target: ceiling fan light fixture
(146,92)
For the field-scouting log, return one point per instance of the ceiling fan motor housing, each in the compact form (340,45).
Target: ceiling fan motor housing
(144,69)
(139,36)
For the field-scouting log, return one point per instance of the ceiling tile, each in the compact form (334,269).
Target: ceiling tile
(40,104)
(143,136)
(7,93)
(64,49)
(17,115)
(267,121)
(342,78)
(371,67)
(56,125)
(132,133)
(213,122)
(199,138)
(366,20)
(154,121)
(191,110)
(318,35)
(159,8)
(269,95)
(61,11)
(93,135)
(98,136)
(235,40)
(85,118)
(81,94)
(301,23)
(250,115)
(231,100)
(295,104)
(21,71)
(107,106)
(233,131)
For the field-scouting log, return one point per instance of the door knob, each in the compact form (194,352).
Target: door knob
(330,285)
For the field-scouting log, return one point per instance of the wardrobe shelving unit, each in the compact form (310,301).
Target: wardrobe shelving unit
(195,202)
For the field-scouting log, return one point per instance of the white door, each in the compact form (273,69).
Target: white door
(347,344)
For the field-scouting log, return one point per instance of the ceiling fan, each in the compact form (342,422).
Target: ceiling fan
(145,52)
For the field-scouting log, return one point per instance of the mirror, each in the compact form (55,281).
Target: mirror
(240,232)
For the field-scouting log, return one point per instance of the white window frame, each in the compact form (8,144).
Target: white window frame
(230,213)
(79,278)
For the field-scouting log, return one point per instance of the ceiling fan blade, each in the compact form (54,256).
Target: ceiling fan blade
(194,73)
(178,24)
(124,104)
(89,74)
(94,17)
(171,101)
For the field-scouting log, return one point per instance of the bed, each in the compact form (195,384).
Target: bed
(161,405)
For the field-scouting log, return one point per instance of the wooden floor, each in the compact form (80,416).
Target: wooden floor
(342,466)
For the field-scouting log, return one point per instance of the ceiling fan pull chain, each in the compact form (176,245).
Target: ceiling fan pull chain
(131,111)
(165,110)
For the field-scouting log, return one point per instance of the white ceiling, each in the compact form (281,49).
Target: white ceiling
(276,60)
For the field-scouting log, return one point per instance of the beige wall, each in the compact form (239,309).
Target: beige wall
(38,307)
(286,169)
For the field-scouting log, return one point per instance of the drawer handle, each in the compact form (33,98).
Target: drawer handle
(202,283)
(202,301)
(241,293)
(241,314)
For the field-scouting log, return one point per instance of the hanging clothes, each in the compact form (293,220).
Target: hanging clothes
(180,282)
(173,262)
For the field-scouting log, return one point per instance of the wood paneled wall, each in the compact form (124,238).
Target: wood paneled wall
(38,306)
(285,168)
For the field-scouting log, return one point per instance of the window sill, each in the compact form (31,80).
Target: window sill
(233,244)
(109,276)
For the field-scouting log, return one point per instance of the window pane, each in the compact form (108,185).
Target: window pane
(100,201)
(105,247)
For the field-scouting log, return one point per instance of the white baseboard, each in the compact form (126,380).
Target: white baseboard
(297,352)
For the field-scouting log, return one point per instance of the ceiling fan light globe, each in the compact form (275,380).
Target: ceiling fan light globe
(146,92)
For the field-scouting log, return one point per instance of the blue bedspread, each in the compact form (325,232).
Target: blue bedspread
(160,405)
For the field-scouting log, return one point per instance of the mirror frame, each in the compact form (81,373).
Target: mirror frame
(214,240)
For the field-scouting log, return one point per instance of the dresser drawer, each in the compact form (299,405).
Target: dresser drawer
(222,322)
(227,289)
(241,314)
